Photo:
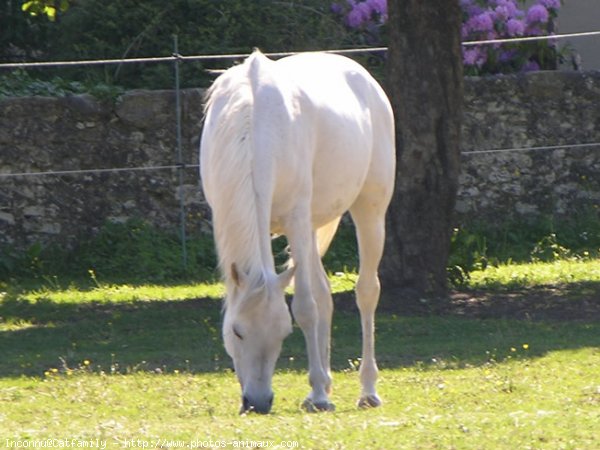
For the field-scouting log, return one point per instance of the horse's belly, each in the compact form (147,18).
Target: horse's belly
(333,196)
(336,183)
(341,156)
(325,208)
(339,173)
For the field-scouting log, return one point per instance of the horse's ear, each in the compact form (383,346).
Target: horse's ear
(285,278)
(238,277)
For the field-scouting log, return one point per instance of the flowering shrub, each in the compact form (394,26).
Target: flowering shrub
(482,20)
(364,16)
(498,19)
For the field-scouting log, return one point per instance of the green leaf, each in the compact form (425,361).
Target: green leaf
(50,11)
(27,6)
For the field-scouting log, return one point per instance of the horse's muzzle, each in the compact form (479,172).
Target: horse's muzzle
(260,406)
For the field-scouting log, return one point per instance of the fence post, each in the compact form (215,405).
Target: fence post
(180,164)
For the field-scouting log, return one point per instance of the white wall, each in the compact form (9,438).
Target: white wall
(582,15)
(577,16)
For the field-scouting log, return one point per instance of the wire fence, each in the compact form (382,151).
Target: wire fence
(176,59)
(569,147)
(533,149)
(232,56)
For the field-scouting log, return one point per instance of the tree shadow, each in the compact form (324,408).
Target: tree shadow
(567,302)
(185,335)
(473,328)
(113,337)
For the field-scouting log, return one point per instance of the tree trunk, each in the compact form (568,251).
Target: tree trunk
(425,85)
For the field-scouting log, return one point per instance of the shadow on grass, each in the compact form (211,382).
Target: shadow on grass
(146,335)
(185,335)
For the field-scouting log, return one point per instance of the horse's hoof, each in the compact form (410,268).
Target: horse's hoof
(369,401)
(313,407)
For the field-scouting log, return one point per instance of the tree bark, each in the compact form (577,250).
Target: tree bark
(425,85)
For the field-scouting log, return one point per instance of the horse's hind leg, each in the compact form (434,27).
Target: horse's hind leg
(368,215)
(321,289)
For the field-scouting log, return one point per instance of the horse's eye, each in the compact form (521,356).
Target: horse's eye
(237,334)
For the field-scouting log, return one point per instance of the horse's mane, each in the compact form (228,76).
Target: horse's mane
(233,203)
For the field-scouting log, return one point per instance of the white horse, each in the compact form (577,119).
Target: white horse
(287,147)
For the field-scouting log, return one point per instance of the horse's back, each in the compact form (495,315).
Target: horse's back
(320,128)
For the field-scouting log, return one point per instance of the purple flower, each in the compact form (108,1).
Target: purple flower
(464,31)
(534,30)
(471,7)
(482,22)
(510,6)
(474,56)
(378,6)
(470,56)
(501,13)
(482,19)
(366,12)
(530,66)
(507,55)
(336,8)
(515,27)
(537,14)
(550,4)
(360,13)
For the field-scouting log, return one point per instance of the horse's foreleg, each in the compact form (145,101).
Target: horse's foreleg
(307,314)
(370,230)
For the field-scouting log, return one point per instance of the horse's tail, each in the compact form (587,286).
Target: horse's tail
(257,64)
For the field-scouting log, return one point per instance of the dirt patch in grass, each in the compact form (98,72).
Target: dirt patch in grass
(569,302)
(572,302)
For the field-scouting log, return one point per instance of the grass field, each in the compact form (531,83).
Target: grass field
(136,366)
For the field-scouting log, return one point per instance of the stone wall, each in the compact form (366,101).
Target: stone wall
(78,132)
(540,109)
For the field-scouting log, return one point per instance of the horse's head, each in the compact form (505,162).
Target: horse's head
(256,322)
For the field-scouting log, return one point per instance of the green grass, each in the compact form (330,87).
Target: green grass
(135,252)
(122,362)
(546,402)
(559,272)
